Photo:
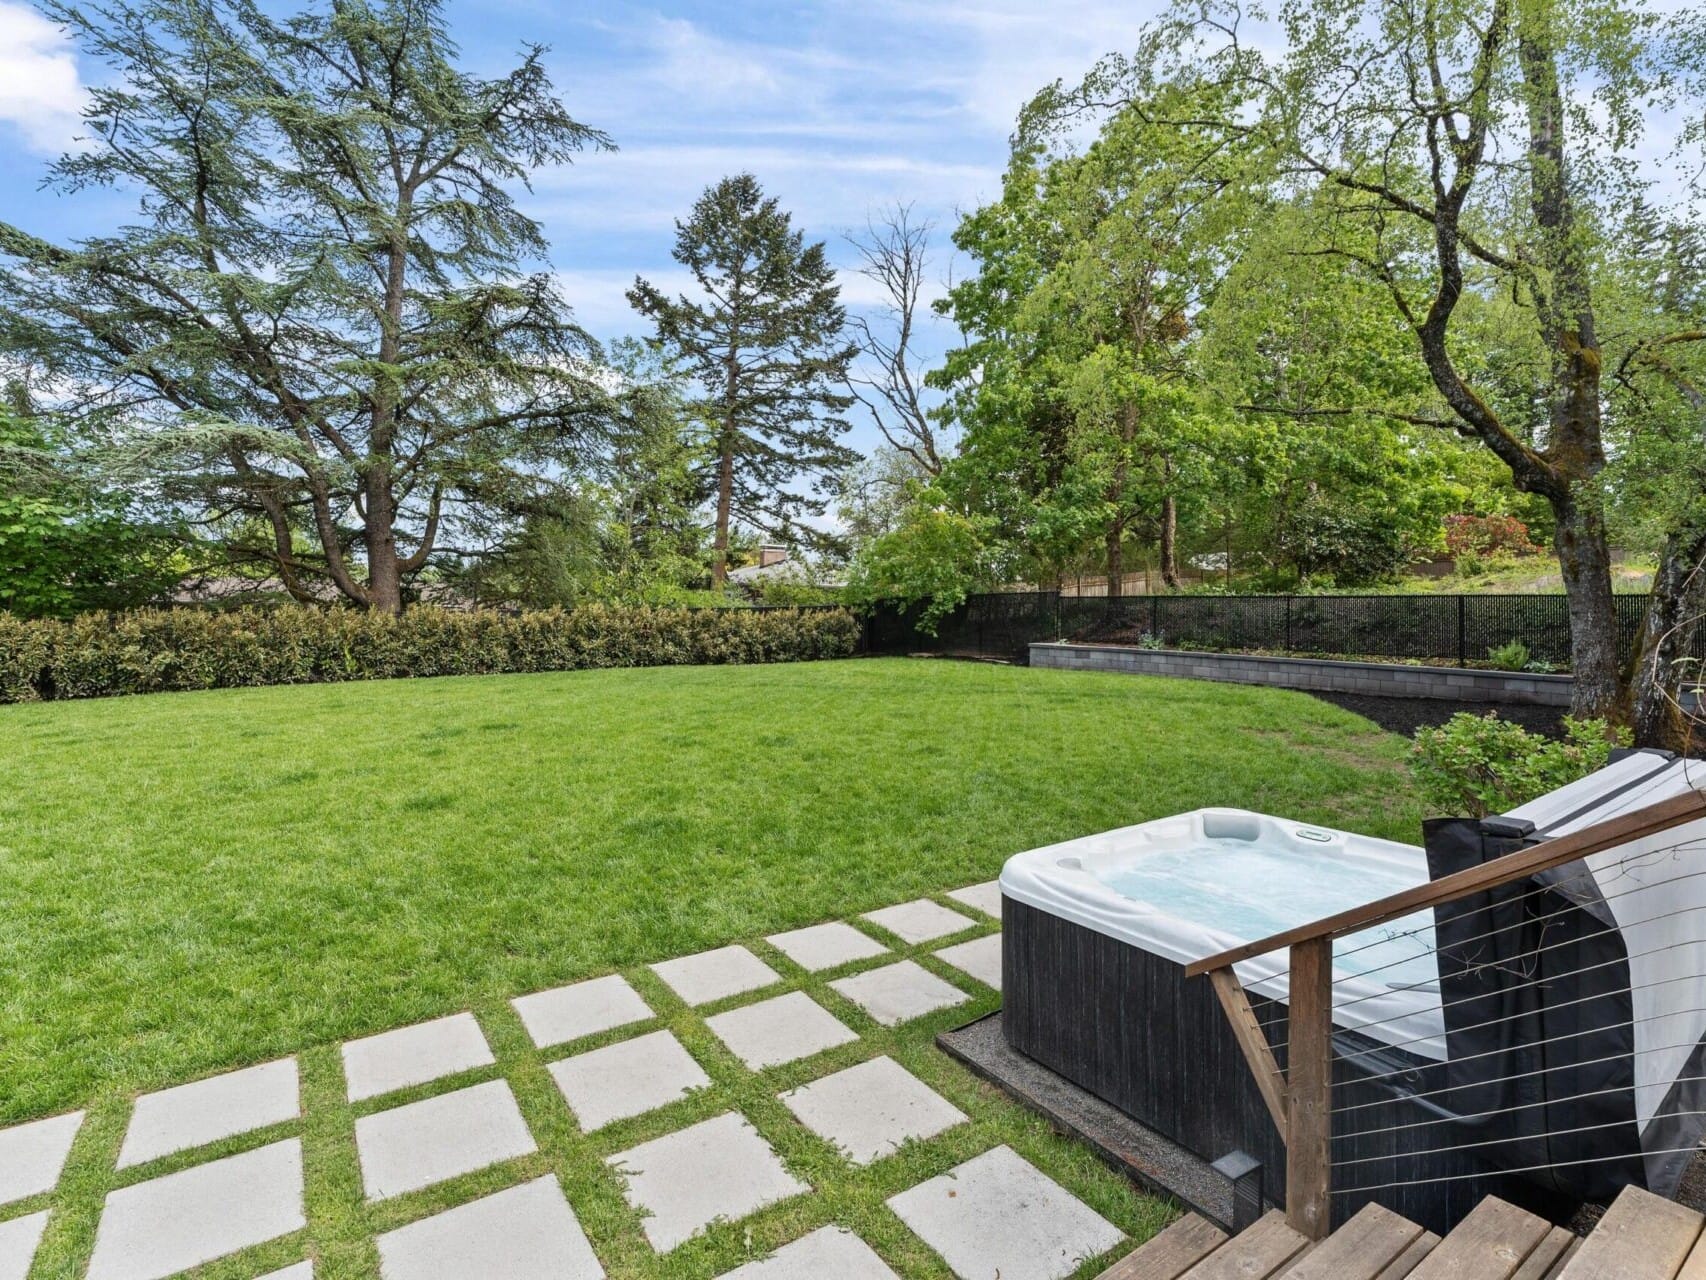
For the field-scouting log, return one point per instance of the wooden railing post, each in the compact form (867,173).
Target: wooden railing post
(1309,1089)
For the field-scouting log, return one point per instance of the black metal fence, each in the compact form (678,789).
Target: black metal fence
(1434,628)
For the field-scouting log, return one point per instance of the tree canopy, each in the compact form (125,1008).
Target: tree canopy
(317,336)
(1464,168)
(66,544)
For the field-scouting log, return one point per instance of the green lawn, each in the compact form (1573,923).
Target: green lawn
(192,882)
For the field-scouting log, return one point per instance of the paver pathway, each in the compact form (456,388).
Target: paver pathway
(211,1173)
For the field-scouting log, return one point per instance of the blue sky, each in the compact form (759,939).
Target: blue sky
(839,107)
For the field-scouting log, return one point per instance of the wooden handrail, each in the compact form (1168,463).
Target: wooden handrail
(1662,816)
(1300,1098)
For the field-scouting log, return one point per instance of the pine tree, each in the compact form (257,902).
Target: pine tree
(765,345)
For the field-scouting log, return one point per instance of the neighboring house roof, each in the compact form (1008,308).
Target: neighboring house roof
(754,575)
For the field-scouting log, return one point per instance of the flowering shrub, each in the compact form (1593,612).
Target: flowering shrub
(152,651)
(1472,766)
(1482,536)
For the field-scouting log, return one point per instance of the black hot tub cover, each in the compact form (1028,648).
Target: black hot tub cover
(1575,1001)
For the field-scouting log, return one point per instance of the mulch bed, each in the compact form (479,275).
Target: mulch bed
(1406,715)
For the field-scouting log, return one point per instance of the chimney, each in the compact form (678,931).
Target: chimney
(770,554)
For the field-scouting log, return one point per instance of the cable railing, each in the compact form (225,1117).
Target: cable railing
(1547,1015)
(1559,915)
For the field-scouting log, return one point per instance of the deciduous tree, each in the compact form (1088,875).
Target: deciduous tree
(894,255)
(1450,155)
(67,545)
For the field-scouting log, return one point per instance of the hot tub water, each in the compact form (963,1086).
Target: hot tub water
(1248,889)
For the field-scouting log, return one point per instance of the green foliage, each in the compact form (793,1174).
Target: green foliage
(1296,336)
(1347,546)
(874,494)
(1446,242)
(552,559)
(153,651)
(1472,766)
(1083,425)
(1512,655)
(765,345)
(936,557)
(1155,336)
(65,544)
(795,593)
(632,531)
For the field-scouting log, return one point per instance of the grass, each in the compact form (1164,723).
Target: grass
(194,882)
(1532,575)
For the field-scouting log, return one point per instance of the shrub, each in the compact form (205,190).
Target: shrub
(153,651)
(796,593)
(1480,537)
(1472,766)
(1512,655)
(1471,565)
(1345,547)
(26,651)
(935,557)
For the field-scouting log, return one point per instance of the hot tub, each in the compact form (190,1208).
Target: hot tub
(1096,935)
(1192,885)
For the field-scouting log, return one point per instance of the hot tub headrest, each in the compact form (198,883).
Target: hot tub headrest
(1231,824)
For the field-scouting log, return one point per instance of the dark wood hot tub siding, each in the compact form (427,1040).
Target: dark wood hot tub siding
(1129,1027)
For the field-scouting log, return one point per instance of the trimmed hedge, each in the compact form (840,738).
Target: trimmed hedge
(156,651)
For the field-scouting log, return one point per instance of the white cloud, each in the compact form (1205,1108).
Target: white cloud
(679,70)
(639,193)
(687,60)
(41,94)
(1007,50)
(839,112)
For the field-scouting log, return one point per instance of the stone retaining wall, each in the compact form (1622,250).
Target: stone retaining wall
(1380,679)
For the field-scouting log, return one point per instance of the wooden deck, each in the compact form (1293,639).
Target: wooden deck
(1641,1237)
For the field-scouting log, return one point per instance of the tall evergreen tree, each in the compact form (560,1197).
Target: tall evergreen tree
(765,345)
(319,326)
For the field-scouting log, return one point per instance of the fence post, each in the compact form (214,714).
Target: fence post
(1309,1090)
(1462,632)
(1288,624)
(1155,617)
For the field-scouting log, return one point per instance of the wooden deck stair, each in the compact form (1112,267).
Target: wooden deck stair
(1641,1237)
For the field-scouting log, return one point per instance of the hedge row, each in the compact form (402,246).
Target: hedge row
(152,651)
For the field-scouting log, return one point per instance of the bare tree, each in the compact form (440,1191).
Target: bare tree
(894,252)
